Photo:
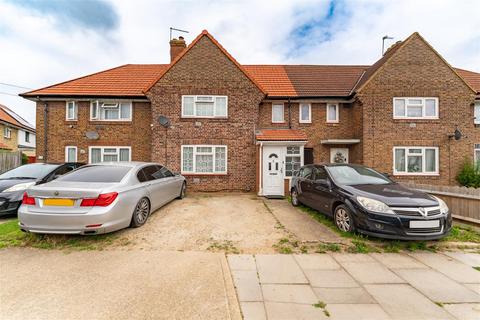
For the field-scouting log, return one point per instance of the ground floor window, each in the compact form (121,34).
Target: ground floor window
(70,154)
(105,154)
(293,160)
(206,159)
(415,160)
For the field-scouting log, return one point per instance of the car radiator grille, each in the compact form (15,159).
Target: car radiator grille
(416,212)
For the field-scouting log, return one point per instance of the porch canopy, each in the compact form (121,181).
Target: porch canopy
(280,135)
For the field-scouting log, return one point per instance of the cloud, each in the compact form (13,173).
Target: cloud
(45,42)
(92,14)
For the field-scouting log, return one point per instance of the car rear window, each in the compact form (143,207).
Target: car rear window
(97,174)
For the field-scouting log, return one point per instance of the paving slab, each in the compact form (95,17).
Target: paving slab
(473,286)
(300,223)
(246,283)
(450,267)
(279,269)
(403,302)
(316,261)
(294,293)
(464,311)
(289,311)
(356,311)
(253,311)
(352,257)
(471,259)
(398,261)
(343,295)
(330,279)
(437,286)
(371,272)
(241,262)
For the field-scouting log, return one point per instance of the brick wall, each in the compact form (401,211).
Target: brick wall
(62,133)
(11,143)
(349,127)
(416,71)
(205,70)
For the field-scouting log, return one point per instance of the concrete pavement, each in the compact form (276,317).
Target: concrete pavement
(356,286)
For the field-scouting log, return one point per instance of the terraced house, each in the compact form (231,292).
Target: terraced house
(228,126)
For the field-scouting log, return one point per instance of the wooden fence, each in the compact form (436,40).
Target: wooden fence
(10,160)
(464,203)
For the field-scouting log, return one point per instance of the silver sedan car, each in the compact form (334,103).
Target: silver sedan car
(99,198)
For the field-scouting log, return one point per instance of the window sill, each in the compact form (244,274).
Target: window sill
(110,121)
(416,120)
(203,118)
(416,175)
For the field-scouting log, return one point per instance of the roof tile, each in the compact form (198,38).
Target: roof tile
(281,135)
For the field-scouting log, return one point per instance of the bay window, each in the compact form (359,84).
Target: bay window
(305,113)
(415,160)
(70,154)
(415,108)
(277,113)
(111,110)
(204,106)
(106,154)
(204,159)
(293,160)
(71,111)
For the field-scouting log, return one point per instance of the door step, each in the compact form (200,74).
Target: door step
(274,197)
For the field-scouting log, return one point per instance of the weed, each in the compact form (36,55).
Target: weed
(463,234)
(476,268)
(320,304)
(224,245)
(327,247)
(361,247)
(439,304)
(303,249)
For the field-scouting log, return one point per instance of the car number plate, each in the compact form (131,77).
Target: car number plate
(425,224)
(59,202)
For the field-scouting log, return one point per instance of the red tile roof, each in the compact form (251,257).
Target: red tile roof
(4,146)
(6,117)
(281,135)
(127,80)
(472,78)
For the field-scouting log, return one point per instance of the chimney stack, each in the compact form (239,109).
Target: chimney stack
(176,47)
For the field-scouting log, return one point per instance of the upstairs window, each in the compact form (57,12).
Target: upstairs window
(71,111)
(477,113)
(111,111)
(415,108)
(7,133)
(305,112)
(277,113)
(27,136)
(415,160)
(204,106)
(332,113)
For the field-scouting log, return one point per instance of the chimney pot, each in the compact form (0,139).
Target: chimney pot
(176,47)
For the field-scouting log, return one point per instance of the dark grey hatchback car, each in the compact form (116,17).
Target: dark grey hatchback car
(361,199)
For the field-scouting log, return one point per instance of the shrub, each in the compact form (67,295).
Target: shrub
(24,158)
(469,176)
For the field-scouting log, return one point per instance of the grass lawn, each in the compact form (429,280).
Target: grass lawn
(11,236)
(365,244)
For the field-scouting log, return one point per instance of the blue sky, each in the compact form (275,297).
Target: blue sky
(48,41)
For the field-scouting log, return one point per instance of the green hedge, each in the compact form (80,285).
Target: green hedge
(469,176)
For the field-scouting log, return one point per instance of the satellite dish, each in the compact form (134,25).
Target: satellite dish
(92,135)
(164,121)
(457,134)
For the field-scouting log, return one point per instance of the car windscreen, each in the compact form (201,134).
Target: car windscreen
(29,171)
(92,174)
(348,175)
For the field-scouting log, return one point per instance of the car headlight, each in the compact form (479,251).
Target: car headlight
(443,206)
(19,187)
(374,205)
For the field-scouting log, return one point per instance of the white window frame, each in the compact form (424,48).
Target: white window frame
(423,105)
(476,113)
(476,147)
(99,104)
(423,172)
(279,104)
(300,154)
(215,116)
(194,171)
(66,153)
(102,148)
(7,132)
(309,120)
(337,113)
(75,110)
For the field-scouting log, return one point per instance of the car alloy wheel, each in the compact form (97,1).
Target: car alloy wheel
(140,215)
(343,219)
(294,196)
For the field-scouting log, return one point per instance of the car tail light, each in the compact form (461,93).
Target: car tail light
(103,200)
(28,200)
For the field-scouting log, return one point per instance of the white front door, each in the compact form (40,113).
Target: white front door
(273,171)
(339,155)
